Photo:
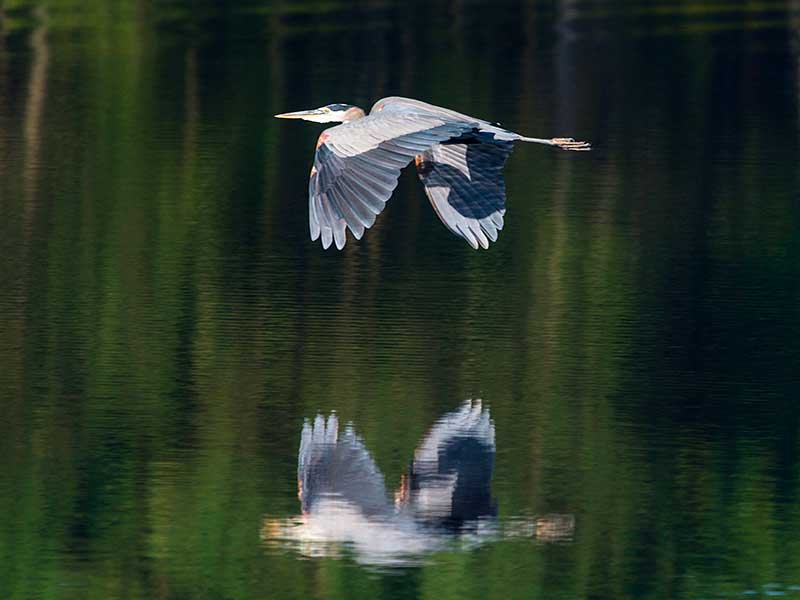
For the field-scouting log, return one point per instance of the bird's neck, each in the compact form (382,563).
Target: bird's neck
(353,113)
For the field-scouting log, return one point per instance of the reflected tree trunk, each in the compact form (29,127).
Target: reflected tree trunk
(16,323)
(34,111)
(3,84)
(794,11)
(192,108)
(566,80)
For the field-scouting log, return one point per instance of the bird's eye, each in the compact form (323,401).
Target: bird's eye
(326,109)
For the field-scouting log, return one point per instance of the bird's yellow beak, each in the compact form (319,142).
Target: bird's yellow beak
(300,114)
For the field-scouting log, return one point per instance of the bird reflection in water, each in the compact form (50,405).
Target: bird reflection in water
(444,500)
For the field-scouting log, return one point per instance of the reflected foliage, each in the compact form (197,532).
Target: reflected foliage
(166,326)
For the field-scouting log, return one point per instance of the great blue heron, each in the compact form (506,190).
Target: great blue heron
(445,497)
(459,160)
(448,483)
(446,492)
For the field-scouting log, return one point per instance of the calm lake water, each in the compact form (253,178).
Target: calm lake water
(169,335)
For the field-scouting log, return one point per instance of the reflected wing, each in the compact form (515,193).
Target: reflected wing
(338,466)
(357,165)
(464,182)
(452,470)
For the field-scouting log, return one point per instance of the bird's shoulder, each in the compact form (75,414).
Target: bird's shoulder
(392,103)
(397,104)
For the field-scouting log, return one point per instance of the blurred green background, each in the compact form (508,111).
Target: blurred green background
(166,324)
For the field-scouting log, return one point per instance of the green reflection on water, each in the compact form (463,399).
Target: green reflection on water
(165,325)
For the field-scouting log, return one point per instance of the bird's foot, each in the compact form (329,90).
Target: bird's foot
(571,144)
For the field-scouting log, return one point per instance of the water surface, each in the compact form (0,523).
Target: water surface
(167,327)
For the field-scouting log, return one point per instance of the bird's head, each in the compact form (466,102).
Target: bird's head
(330,113)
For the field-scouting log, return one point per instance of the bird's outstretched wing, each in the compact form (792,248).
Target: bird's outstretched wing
(464,182)
(338,466)
(450,480)
(357,165)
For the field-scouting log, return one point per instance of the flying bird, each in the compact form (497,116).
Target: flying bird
(445,494)
(448,483)
(459,160)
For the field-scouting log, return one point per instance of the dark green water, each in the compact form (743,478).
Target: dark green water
(166,325)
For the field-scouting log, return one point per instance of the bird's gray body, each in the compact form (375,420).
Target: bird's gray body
(459,160)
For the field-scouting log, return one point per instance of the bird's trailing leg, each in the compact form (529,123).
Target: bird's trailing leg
(571,144)
(563,143)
